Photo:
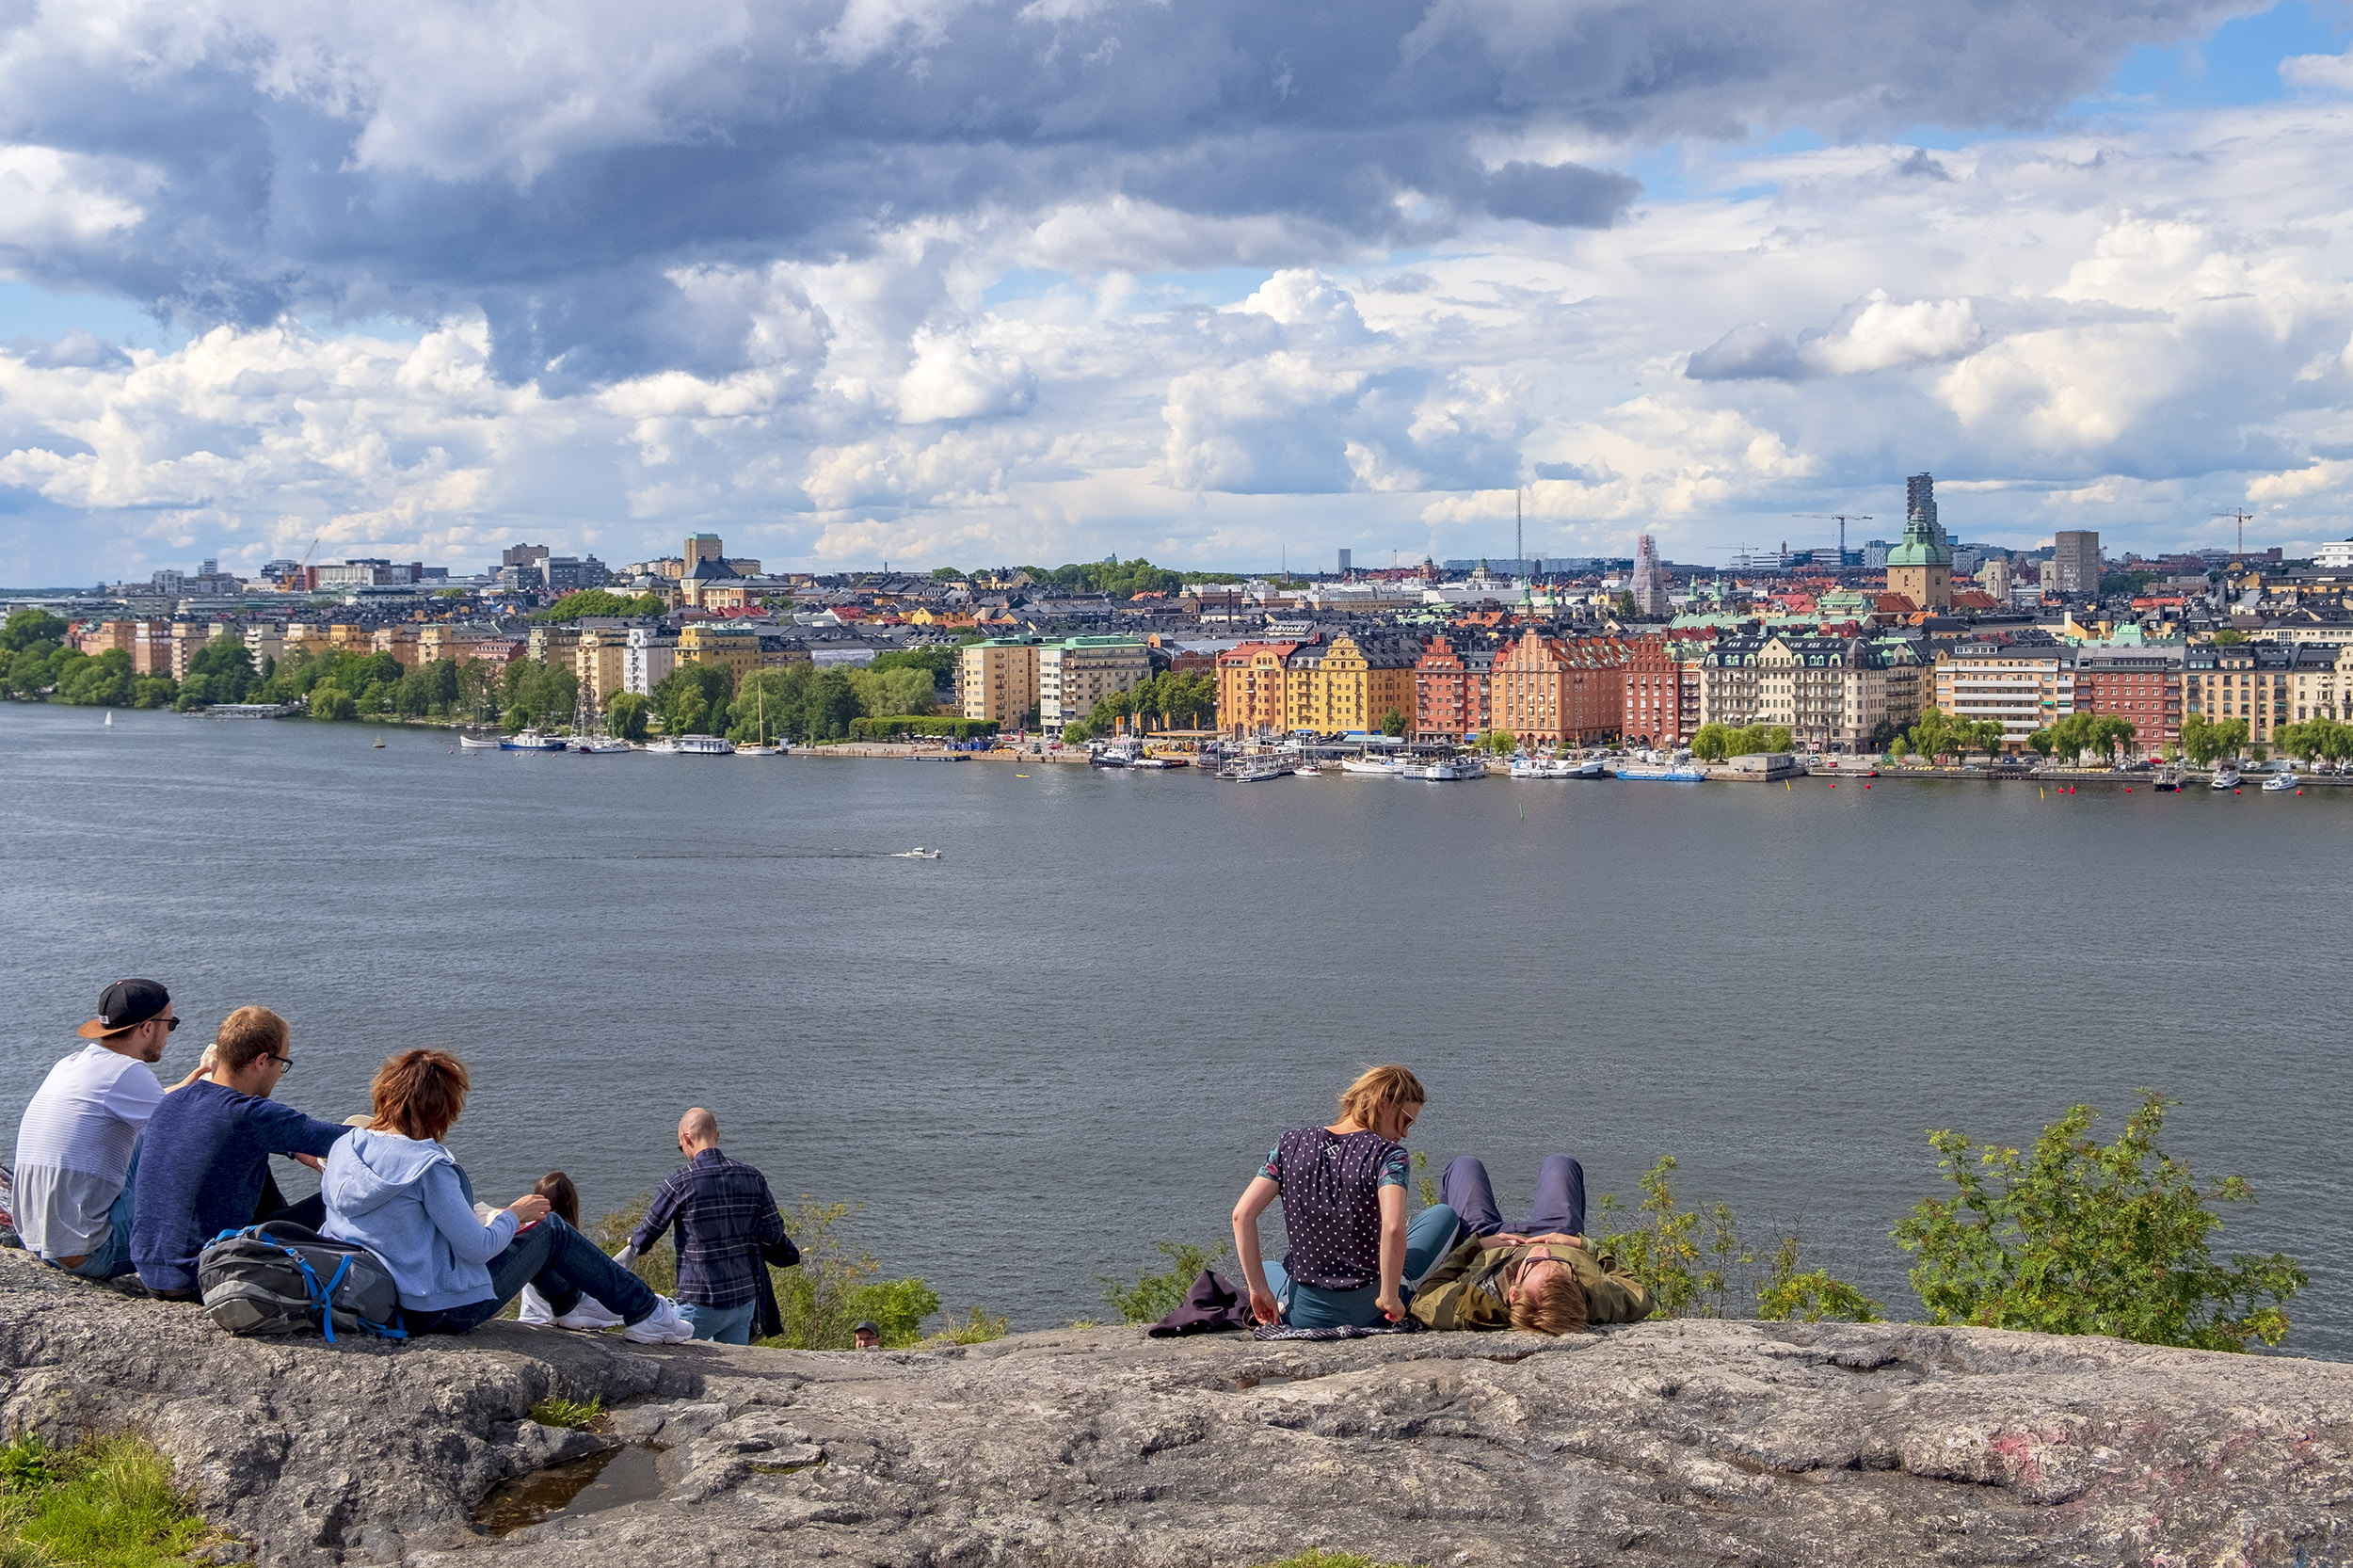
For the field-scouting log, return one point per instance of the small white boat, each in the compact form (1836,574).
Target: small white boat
(759,751)
(705,745)
(2227,779)
(479,743)
(662,748)
(1433,773)
(1663,776)
(110,718)
(1251,770)
(2279,783)
(600,745)
(1367,765)
(1307,769)
(918,853)
(531,740)
(1154,763)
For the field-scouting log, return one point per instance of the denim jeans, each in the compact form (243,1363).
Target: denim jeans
(721,1325)
(1429,1237)
(563,1263)
(111,1257)
(1559,1198)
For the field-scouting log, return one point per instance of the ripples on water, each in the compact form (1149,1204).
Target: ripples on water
(1078,1032)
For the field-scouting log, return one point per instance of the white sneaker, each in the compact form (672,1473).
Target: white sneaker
(666,1327)
(589,1314)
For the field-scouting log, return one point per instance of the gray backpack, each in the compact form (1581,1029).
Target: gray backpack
(282,1278)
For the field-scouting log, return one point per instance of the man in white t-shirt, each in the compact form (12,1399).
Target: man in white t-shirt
(77,1147)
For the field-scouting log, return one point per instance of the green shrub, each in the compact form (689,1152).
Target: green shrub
(567,1413)
(1153,1296)
(27,1462)
(1695,1265)
(822,1299)
(2076,1238)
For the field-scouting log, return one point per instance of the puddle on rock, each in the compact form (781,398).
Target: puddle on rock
(607,1480)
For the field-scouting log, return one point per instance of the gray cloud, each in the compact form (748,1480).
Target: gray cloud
(438,155)
(1747,354)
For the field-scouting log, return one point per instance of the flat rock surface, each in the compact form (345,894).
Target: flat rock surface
(1684,1443)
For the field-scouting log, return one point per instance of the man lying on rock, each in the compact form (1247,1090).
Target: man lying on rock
(1543,1277)
(204,1160)
(394,1190)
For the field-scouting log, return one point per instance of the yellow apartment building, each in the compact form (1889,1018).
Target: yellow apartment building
(1000,678)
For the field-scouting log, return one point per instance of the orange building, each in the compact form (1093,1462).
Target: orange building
(1250,688)
(1559,690)
(1661,704)
(1450,692)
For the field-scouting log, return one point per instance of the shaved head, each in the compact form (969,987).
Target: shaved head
(699,1126)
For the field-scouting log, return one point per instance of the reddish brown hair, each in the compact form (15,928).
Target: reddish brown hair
(419,1094)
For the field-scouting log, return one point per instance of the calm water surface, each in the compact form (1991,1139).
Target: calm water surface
(1076,1032)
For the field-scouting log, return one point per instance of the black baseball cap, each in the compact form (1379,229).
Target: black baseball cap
(126,1005)
(868,1326)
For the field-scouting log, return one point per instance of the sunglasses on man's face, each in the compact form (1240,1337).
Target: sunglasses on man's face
(170,1024)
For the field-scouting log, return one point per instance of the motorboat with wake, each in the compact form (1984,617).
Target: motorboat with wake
(918,853)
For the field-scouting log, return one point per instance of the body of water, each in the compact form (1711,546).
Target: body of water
(1078,1032)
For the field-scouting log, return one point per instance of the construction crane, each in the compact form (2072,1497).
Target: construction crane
(1841,518)
(2242,518)
(296,576)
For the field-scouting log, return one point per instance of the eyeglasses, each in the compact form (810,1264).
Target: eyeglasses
(282,1061)
(170,1024)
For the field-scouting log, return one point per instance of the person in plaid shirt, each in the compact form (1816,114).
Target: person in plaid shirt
(726,1217)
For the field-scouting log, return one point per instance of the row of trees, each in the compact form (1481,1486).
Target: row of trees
(1713,743)
(2325,739)
(1180,699)
(1937,733)
(2105,734)
(800,702)
(597,602)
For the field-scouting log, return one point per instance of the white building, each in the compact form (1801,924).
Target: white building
(648,655)
(2336,555)
(1077,673)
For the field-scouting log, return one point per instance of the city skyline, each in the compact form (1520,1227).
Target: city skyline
(2095,282)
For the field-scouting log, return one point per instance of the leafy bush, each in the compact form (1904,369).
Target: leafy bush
(2076,1238)
(567,1413)
(1695,1265)
(1154,1296)
(27,1462)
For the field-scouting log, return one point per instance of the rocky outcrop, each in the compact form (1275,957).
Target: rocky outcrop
(1684,1443)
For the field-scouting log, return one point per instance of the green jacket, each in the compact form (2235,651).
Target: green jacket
(1466,1289)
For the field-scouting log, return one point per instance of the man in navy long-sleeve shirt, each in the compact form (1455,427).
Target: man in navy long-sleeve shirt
(204,1163)
(725,1218)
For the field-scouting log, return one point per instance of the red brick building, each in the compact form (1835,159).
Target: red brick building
(1662,705)
(1451,688)
(2140,685)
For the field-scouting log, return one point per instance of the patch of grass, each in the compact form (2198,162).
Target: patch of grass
(27,1463)
(567,1413)
(1323,1557)
(107,1504)
(979,1328)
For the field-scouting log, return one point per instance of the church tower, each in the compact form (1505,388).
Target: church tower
(1921,567)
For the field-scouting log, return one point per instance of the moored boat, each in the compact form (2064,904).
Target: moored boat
(1654,774)
(705,745)
(2279,783)
(2227,778)
(1368,766)
(479,743)
(599,745)
(531,740)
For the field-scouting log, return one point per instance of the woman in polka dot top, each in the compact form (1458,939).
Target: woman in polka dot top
(1343,1190)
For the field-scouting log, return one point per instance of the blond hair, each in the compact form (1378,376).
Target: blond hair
(1380,1089)
(246,1036)
(1556,1306)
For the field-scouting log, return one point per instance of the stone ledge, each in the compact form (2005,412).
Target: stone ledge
(1683,1443)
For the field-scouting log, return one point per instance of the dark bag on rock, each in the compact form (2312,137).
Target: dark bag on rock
(282,1278)
(1212,1306)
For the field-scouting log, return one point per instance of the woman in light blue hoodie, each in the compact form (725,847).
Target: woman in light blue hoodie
(394,1190)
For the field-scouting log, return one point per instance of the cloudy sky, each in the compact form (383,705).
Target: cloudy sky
(1229,282)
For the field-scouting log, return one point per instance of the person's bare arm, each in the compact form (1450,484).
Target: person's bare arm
(1391,1301)
(1253,1203)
